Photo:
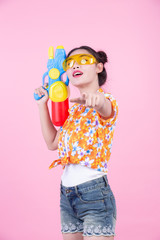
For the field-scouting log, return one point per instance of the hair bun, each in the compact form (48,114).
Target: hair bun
(102,57)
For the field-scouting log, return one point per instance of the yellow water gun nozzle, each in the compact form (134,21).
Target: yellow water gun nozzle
(51,52)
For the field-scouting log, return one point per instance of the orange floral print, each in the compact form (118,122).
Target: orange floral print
(85,138)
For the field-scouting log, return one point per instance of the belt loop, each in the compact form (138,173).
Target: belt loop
(76,190)
(106,180)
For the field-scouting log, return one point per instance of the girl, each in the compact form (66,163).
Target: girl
(84,142)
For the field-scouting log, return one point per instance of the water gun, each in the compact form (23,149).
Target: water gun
(57,89)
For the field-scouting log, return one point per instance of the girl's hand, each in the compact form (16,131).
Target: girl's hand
(40,91)
(93,100)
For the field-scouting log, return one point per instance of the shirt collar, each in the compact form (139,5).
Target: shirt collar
(100,90)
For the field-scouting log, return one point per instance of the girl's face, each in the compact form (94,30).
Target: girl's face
(90,72)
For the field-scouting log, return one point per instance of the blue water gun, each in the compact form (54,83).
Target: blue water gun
(56,88)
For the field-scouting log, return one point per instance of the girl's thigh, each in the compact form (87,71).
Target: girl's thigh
(73,236)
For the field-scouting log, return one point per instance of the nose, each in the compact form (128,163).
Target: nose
(75,65)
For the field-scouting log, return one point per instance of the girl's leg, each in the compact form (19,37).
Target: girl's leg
(73,236)
(99,238)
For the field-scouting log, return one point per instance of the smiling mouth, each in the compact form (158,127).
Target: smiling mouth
(77,73)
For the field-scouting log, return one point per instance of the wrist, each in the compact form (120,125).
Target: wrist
(99,107)
(42,105)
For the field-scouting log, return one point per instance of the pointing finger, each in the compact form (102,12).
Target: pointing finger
(75,100)
(84,95)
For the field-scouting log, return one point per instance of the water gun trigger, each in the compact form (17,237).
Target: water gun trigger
(45,88)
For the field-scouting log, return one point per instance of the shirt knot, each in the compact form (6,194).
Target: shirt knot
(63,161)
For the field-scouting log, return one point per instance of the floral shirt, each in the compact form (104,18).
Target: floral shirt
(85,138)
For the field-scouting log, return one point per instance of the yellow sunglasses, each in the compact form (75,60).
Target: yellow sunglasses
(81,59)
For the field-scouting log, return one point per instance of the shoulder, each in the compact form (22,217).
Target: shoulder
(73,108)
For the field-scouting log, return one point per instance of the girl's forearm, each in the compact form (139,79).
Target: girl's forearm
(48,130)
(106,107)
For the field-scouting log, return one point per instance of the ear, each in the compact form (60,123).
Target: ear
(99,67)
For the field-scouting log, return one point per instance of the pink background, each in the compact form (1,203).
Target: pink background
(129,32)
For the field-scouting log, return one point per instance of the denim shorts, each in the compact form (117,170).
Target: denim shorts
(89,207)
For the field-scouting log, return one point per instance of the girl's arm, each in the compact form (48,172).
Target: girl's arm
(106,110)
(98,102)
(49,132)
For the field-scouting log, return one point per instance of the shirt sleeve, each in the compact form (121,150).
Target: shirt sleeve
(111,120)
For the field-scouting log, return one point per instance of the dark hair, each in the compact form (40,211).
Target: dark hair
(101,57)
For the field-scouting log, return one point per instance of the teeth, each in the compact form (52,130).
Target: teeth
(77,73)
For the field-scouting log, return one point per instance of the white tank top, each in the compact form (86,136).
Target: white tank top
(75,174)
